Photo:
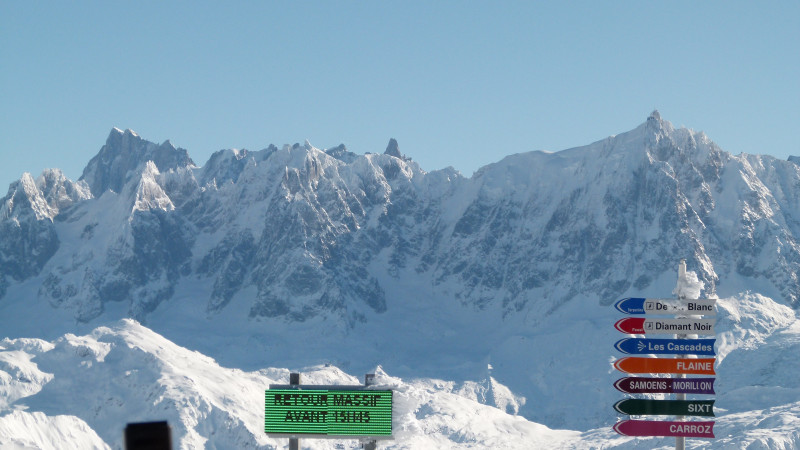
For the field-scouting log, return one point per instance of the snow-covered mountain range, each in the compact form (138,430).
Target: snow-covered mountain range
(338,263)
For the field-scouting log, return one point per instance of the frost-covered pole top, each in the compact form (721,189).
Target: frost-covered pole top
(689,286)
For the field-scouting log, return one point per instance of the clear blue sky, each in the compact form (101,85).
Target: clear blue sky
(456,83)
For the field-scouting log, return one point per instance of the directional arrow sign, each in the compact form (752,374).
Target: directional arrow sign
(642,385)
(635,364)
(631,325)
(637,305)
(649,407)
(667,429)
(636,346)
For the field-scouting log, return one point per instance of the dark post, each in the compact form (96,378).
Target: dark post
(369,380)
(294,380)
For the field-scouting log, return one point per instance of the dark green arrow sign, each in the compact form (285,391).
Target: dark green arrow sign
(638,407)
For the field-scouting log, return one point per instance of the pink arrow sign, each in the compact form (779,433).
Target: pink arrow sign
(676,429)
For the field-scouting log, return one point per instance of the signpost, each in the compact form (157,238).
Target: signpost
(638,346)
(643,428)
(685,359)
(643,385)
(328,412)
(337,412)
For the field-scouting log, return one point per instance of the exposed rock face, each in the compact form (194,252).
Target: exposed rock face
(316,233)
(122,157)
(28,238)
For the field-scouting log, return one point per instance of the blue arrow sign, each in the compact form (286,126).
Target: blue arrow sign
(630,305)
(637,346)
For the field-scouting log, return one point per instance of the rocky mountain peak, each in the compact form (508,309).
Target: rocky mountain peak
(44,196)
(657,129)
(393,149)
(124,155)
(341,153)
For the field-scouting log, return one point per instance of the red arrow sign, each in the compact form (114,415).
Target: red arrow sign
(630,325)
(676,429)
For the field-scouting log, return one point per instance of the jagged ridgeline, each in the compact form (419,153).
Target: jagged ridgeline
(300,232)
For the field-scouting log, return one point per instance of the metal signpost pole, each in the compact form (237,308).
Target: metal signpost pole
(294,380)
(369,380)
(680,441)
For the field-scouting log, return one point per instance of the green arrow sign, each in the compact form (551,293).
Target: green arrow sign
(638,407)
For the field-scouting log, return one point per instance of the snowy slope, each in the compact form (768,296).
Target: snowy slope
(64,390)
(80,391)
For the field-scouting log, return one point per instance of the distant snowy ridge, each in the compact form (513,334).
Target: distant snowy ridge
(325,228)
(366,260)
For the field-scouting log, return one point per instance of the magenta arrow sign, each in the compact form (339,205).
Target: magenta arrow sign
(676,429)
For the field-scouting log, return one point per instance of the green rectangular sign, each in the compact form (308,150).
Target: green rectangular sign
(328,412)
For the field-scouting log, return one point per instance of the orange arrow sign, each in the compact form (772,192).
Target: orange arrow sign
(633,364)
